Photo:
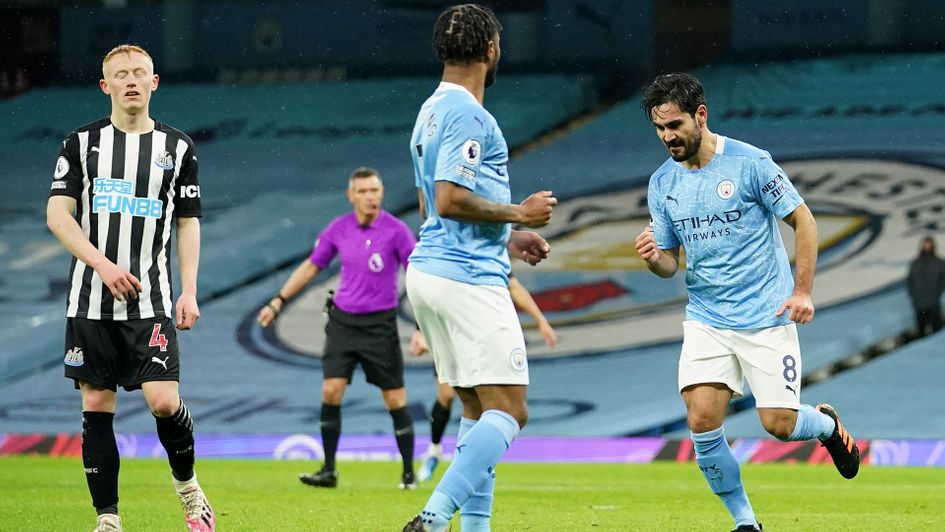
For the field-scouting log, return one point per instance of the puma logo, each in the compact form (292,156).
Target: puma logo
(157,360)
(670,198)
(786,387)
(459,449)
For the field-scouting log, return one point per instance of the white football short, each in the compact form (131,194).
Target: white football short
(472,330)
(770,358)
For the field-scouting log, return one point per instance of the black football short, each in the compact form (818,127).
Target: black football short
(370,340)
(110,353)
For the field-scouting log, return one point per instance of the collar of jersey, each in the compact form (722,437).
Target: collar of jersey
(448,86)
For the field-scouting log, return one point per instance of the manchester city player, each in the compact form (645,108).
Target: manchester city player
(458,276)
(720,199)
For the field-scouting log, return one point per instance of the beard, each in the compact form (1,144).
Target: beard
(491,74)
(691,148)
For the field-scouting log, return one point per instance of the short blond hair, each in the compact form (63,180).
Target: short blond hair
(126,49)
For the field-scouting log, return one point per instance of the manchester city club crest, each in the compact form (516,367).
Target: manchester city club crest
(726,189)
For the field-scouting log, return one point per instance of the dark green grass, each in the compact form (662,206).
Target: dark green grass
(39,493)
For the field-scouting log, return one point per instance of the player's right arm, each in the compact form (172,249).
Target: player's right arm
(659,251)
(61,222)
(460,203)
(662,262)
(64,192)
(465,140)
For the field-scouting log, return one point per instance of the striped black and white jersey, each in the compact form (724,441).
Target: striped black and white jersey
(128,188)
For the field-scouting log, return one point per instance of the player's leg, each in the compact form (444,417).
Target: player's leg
(486,338)
(709,376)
(439,419)
(175,426)
(154,366)
(705,405)
(476,512)
(175,429)
(396,402)
(91,361)
(100,450)
(776,383)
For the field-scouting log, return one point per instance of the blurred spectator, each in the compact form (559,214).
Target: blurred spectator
(926,282)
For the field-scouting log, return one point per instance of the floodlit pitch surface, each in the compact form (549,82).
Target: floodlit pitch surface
(41,493)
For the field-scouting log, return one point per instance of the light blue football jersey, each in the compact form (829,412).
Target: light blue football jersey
(725,215)
(455,139)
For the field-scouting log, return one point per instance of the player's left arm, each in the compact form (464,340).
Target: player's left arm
(187,214)
(188,256)
(805,260)
(528,246)
(526,302)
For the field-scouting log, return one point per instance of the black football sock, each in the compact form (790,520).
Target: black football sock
(439,418)
(101,461)
(331,433)
(403,432)
(176,433)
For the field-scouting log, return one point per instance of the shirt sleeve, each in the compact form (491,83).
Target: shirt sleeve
(773,188)
(464,135)
(325,248)
(663,229)
(67,177)
(187,203)
(405,245)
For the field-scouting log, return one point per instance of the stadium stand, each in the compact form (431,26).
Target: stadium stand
(282,150)
(833,110)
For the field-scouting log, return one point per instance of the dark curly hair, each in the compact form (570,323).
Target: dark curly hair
(462,33)
(679,88)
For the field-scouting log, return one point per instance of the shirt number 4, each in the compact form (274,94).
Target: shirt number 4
(158,339)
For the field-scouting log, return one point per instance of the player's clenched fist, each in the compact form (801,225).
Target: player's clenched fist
(535,211)
(646,245)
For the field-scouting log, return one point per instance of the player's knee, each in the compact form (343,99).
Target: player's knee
(165,405)
(699,423)
(98,403)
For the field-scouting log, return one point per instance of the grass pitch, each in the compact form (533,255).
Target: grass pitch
(41,493)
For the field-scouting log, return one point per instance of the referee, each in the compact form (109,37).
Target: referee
(119,183)
(362,320)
